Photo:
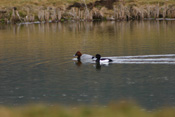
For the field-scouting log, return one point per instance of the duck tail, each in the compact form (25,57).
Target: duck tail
(110,60)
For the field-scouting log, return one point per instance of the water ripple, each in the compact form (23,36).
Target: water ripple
(144,59)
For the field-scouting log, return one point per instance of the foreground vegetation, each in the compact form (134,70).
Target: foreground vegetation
(14,11)
(122,109)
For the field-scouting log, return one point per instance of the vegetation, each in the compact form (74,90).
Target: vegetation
(5,3)
(80,10)
(122,109)
(61,2)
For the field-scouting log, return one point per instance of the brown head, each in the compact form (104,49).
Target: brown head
(78,54)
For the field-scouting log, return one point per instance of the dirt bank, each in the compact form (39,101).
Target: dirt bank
(98,10)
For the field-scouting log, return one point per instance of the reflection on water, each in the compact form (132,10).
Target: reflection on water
(78,63)
(98,66)
(37,66)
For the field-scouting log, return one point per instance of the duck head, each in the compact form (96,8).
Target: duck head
(78,54)
(98,56)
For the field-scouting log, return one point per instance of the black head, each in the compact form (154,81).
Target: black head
(98,56)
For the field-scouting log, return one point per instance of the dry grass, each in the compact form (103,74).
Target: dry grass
(60,2)
(55,10)
(38,2)
(121,109)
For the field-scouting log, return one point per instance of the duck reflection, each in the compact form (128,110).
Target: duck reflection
(98,66)
(78,63)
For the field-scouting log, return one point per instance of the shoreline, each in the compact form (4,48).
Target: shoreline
(44,22)
(116,11)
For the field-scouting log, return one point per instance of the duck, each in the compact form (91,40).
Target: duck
(81,56)
(102,60)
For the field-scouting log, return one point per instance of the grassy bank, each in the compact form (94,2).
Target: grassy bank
(122,109)
(60,2)
(15,11)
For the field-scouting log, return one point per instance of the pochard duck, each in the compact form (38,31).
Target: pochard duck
(102,60)
(81,56)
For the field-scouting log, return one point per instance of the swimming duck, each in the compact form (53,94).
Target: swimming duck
(81,56)
(102,60)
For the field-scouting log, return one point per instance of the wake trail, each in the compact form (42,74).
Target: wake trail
(144,59)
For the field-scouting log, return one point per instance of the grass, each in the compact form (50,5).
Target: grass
(48,9)
(121,109)
(37,2)
(61,2)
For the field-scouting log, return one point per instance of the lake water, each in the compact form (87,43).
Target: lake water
(37,63)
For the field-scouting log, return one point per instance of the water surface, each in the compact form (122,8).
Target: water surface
(36,63)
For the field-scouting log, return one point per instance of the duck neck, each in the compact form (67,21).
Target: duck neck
(78,58)
(98,60)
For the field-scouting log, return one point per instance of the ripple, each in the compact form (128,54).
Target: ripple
(145,59)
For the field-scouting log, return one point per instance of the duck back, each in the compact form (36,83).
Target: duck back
(86,56)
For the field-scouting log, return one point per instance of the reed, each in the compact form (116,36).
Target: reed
(41,15)
(59,14)
(47,15)
(15,17)
(53,15)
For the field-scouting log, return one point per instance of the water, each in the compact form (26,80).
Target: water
(37,63)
